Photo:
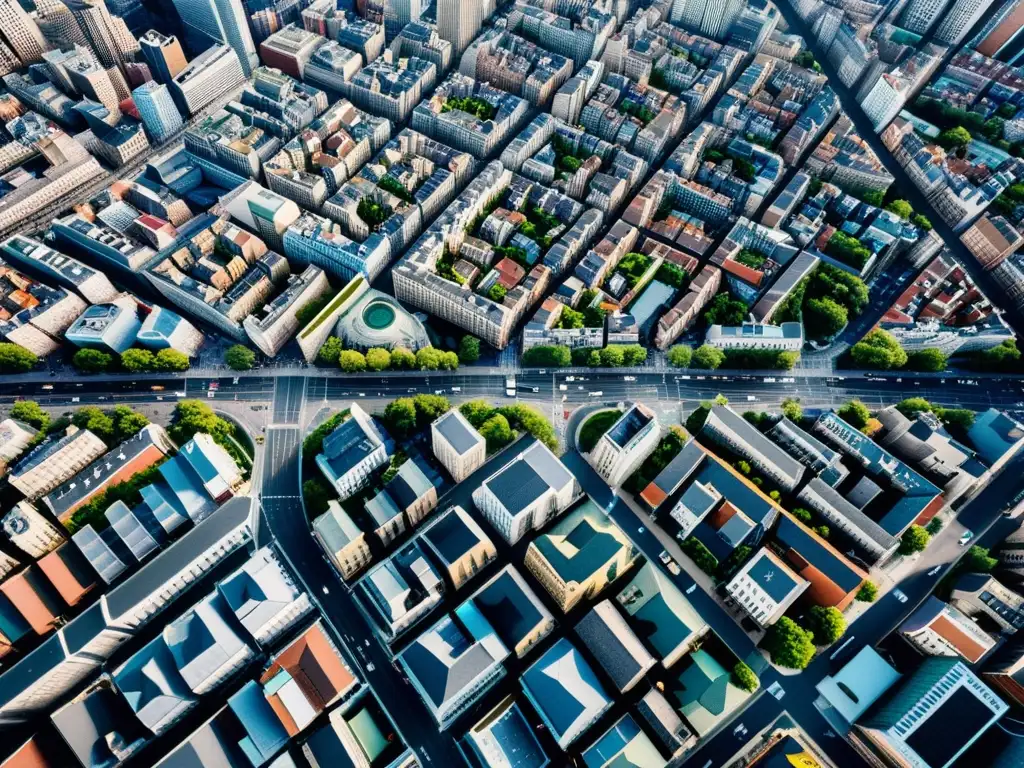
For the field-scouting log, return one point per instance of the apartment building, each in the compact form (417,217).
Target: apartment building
(54,461)
(765,587)
(457,445)
(939,629)
(342,540)
(730,430)
(353,452)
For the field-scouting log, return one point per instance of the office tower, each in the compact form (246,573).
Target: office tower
(1001,36)
(219,21)
(458,22)
(163,54)
(157,110)
(19,33)
(711,18)
(94,82)
(58,26)
(107,35)
(205,78)
(920,15)
(960,19)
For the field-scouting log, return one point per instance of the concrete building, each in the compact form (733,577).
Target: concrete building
(939,629)
(515,612)
(457,445)
(219,21)
(617,650)
(54,461)
(765,588)
(532,489)
(290,49)
(991,240)
(58,269)
(20,34)
(276,323)
(730,430)
(164,55)
(15,438)
(932,717)
(982,594)
(504,737)
(158,111)
(400,591)
(626,445)
(405,501)
(205,78)
(787,337)
(390,89)
(459,21)
(578,558)
(30,532)
(834,580)
(343,541)
(353,452)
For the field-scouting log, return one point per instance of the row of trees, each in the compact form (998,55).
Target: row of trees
(14,358)
(793,646)
(880,350)
(612,356)
(707,357)
(111,426)
(397,359)
(131,360)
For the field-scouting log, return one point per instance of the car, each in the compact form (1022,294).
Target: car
(76,399)
(674,568)
(665,557)
(965,539)
(629,378)
(641,529)
(899,595)
(776,690)
(599,393)
(456,389)
(562,387)
(542,371)
(47,387)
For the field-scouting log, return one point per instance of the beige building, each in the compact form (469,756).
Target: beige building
(55,461)
(580,556)
(345,544)
(991,240)
(460,448)
(982,593)
(29,531)
(460,545)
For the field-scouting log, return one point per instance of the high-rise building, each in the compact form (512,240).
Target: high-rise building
(163,54)
(157,110)
(920,15)
(711,18)
(19,33)
(1002,37)
(106,35)
(220,21)
(458,22)
(205,78)
(960,19)
(991,240)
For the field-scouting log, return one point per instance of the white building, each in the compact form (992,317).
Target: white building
(624,447)
(30,532)
(765,587)
(460,448)
(526,493)
(353,452)
(786,337)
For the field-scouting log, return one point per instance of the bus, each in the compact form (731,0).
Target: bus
(510,386)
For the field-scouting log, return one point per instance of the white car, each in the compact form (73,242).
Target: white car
(899,595)
(965,539)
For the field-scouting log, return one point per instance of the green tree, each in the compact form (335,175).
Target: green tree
(30,412)
(934,526)
(429,408)
(930,359)
(912,406)
(530,420)
(311,309)
(400,416)
(679,356)
(449,361)
(497,293)
(824,317)
(548,355)
(329,352)
(873,197)
(954,138)
(802,515)
(847,249)
(743,466)
(377,359)
(497,432)
(792,410)
(743,677)
(708,357)
(126,422)
(469,349)
(16,359)
(915,539)
(1003,357)
(977,560)
(822,530)
(868,592)
(570,319)
(402,359)
(612,356)
(137,360)
(634,355)
(240,358)
(316,495)
(170,360)
(428,359)
(878,349)
(477,412)
(789,644)
(826,623)
(193,416)
(96,421)
(855,413)
(725,310)
(701,555)
(922,222)
(351,361)
(92,360)
(901,208)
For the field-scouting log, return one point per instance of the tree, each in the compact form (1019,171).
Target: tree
(743,677)
(847,249)
(789,644)
(912,406)
(679,356)
(30,412)
(803,515)
(708,357)
(824,317)
(791,409)
(915,539)
(16,359)
(868,592)
(1003,357)
(496,293)
(329,352)
(127,422)
(316,495)
(725,310)
(826,623)
(548,355)
(96,421)
(449,361)
(351,361)
(929,359)
(377,359)
(570,319)
(170,360)
(531,421)
(855,413)
(428,359)
(469,349)
(823,531)
(497,432)
(241,358)
(477,412)
(786,360)
(92,360)
(612,356)
(634,355)
(922,222)
(873,197)
(700,555)
(954,138)
(977,560)
(400,416)
(193,416)
(137,360)
(429,408)
(934,526)
(743,466)
(402,359)
(901,208)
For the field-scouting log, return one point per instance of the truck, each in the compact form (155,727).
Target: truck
(510,386)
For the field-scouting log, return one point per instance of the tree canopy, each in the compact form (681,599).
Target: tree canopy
(92,360)
(240,358)
(30,412)
(878,349)
(469,349)
(14,358)
(855,413)
(826,623)
(915,539)
(679,356)
(708,357)
(789,644)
